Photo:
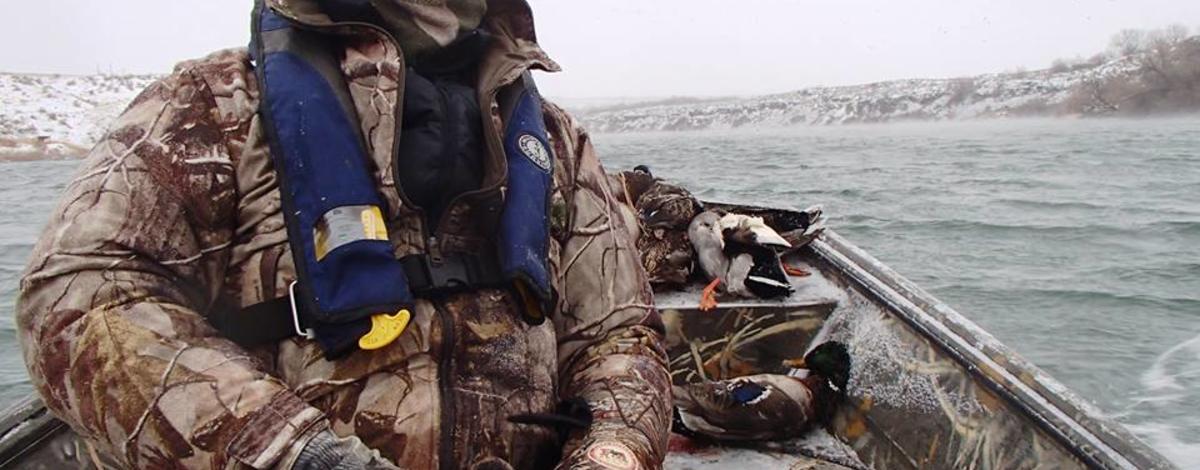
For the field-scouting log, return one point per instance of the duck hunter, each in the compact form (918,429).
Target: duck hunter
(363,242)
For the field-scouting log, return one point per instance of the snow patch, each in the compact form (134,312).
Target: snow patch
(60,116)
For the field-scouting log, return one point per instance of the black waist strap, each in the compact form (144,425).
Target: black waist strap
(261,323)
(271,321)
(430,277)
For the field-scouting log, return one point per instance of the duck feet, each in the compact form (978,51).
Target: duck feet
(708,298)
(795,272)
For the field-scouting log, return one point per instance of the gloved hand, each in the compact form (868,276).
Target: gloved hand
(326,451)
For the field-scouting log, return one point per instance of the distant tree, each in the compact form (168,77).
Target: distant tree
(1160,55)
(961,89)
(1166,77)
(1127,42)
(1174,34)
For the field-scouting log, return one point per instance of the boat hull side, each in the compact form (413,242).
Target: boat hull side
(930,389)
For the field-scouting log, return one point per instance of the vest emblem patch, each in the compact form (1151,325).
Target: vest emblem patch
(534,150)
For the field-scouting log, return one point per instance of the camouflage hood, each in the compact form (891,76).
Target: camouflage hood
(419,26)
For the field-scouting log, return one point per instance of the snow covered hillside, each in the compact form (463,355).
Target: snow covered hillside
(60,116)
(1039,92)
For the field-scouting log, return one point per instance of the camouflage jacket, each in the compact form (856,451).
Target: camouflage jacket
(176,213)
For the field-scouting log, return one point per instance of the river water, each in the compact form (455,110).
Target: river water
(1077,243)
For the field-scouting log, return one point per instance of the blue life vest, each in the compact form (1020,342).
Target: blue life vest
(349,277)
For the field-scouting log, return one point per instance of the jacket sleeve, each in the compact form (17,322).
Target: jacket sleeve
(609,334)
(111,305)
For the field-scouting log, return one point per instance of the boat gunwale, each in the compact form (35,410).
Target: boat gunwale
(23,426)
(1049,403)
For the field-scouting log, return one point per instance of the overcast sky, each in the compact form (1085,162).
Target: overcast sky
(645,48)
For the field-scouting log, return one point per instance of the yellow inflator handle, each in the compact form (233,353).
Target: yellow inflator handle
(384,329)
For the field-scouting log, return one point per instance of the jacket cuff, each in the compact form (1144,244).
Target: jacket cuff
(272,430)
(630,398)
(605,454)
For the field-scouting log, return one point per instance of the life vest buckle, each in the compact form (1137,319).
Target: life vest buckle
(453,272)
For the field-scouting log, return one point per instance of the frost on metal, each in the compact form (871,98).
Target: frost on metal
(886,369)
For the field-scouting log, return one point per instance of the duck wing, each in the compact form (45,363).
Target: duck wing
(810,224)
(755,407)
(760,272)
(667,206)
(752,230)
(667,256)
(767,278)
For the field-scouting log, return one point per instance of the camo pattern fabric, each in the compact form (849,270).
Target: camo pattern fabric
(421,26)
(658,213)
(176,214)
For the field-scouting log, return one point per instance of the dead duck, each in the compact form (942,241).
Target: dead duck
(659,204)
(667,257)
(737,253)
(628,186)
(663,211)
(667,206)
(766,406)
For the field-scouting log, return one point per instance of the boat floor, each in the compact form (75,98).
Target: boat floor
(817,450)
(810,291)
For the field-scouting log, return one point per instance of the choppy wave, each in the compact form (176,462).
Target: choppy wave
(1171,385)
(1047,204)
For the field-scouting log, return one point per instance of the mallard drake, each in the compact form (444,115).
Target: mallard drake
(737,253)
(766,406)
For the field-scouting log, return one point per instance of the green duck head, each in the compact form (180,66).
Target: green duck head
(831,361)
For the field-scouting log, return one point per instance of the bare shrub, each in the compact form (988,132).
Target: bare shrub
(1167,77)
(961,89)
(1127,42)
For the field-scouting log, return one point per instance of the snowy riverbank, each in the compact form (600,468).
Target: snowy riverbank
(1035,93)
(57,116)
(60,116)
